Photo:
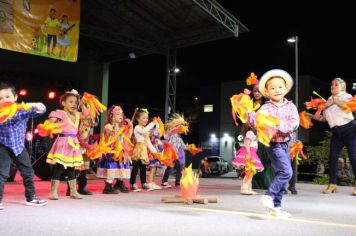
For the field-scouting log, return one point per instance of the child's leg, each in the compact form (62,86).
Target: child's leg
(152,174)
(143,173)
(134,171)
(245,184)
(72,180)
(280,159)
(23,163)
(178,166)
(250,186)
(82,183)
(56,175)
(5,162)
(166,174)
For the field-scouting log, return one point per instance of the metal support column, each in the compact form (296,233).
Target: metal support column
(170,106)
(104,91)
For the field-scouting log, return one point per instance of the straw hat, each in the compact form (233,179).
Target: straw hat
(274,73)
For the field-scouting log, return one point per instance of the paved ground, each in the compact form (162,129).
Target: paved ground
(144,213)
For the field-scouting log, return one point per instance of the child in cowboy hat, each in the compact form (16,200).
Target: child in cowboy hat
(274,85)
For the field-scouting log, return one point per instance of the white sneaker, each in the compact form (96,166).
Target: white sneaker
(166,185)
(1,206)
(277,212)
(148,186)
(267,201)
(37,202)
(156,187)
(134,188)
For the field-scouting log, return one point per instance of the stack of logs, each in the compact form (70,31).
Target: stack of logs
(197,199)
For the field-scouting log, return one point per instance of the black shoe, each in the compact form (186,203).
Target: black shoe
(82,184)
(120,185)
(293,190)
(109,189)
(84,191)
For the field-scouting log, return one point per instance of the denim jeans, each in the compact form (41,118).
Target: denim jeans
(167,172)
(279,154)
(344,135)
(23,164)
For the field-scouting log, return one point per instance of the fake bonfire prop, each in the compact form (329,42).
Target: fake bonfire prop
(189,190)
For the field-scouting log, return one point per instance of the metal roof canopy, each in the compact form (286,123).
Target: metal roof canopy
(152,26)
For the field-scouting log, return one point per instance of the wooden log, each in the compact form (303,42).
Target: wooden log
(173,200)
(169,197)
(211,199)
(189,201)
(200,200)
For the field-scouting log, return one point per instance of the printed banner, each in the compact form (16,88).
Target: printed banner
(47,28)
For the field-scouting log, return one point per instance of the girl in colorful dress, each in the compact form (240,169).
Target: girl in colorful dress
(109,168)
(140,154)
(246,157)
(154,163)
(65,152)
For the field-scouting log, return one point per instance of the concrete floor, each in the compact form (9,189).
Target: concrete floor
(144,214)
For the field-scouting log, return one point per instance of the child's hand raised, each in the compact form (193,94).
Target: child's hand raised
(37,105)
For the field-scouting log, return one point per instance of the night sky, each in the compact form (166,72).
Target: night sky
(326,44)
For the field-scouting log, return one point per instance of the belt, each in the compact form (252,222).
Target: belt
(68,135)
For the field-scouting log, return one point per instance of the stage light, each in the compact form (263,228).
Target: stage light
(29,136)
(23,92)
(35,131)
(132,55)
(51,95)
(176,70)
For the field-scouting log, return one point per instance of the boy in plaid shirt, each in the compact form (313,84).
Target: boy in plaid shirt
(12,145)
(275,84)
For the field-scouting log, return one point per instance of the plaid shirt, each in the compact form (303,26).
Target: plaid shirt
(12,132)
(288,115)
(176,141)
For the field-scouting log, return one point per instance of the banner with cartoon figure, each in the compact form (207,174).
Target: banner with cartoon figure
(47,28)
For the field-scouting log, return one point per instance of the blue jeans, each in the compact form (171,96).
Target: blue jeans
(344,135)
(167,172)
(279,154)
(23,164)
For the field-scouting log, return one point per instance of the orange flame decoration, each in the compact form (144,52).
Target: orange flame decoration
(49,129)
(122,149)
(103,148)
(252,79)
(316,103)
(295,150)
(96,107)
(161,126)
(305,121)
(350,106)
(168,155)
(242,105)
(265,127)
(250,168)
(9,109)
(193,149)
(189,183)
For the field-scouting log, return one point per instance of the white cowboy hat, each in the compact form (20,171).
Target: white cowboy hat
(274,73)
